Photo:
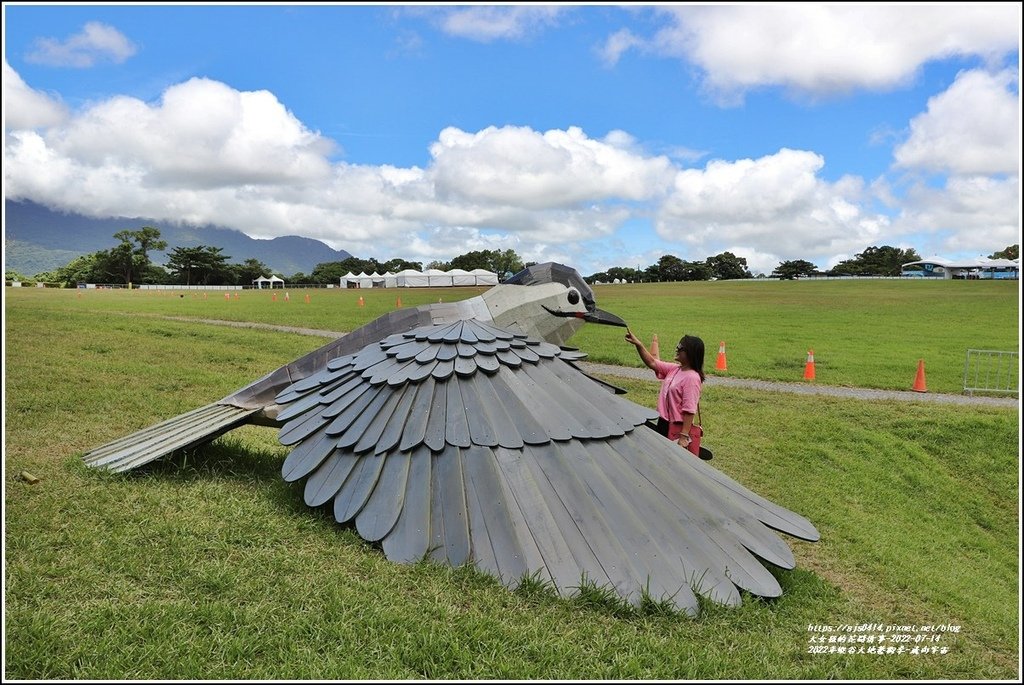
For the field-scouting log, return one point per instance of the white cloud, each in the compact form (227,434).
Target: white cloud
(617,44)
(552,170)
(775,205)
(489,23)
(97,42)
(971,128)
(966,215)
(25,108)
(206,153)
(827,49)
(201,134)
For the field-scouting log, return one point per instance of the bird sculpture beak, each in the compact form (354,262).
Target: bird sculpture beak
(593,316)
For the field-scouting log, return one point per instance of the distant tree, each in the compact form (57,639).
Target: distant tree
(478,259)
(154,273)
(794,269)
(502,262)
(331,272)
(439,265)
(201,265)
(78,270)
(15,276)
(727,266)
(506,263)
(669,268)
(124,262)
(131,256)
(182,261)
(623,273)
(396,265)
(876,261)
(215,269)
(146,238)
(107,266)
(696,271)
(1008,252)
(249,270)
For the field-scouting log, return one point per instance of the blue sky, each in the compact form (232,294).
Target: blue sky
(594,135)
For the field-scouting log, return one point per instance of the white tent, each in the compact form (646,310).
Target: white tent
(462,277)
(269,282)
(437,278)
(377,280)
(349,280)
(364,280)
(485,277)
(411,278)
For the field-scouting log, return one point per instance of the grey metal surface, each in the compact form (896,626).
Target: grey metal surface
(534,467)
(182,432)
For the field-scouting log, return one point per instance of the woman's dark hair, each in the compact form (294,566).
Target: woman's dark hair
(694,349)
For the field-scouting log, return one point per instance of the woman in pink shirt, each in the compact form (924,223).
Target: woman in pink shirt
(681,382)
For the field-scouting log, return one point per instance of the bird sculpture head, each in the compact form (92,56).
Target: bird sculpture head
(549,301)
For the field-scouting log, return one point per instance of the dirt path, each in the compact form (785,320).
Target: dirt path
(812,389)
(646,375)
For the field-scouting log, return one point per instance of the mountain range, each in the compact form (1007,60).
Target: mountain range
(37,239)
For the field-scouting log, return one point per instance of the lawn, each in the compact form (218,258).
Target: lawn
(868,334)
(209,566)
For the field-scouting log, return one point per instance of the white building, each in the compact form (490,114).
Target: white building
(981,268)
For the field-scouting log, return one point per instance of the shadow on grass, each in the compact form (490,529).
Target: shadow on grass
(230,459)
(226,459)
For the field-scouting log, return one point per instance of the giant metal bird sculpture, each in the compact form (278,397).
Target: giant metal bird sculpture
(465,433)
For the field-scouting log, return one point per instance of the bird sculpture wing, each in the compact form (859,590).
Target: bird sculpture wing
(254,403)
(514,304)
(469,443)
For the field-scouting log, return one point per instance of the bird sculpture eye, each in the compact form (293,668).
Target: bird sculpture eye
(573,295)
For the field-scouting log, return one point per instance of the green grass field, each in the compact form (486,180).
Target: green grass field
(209,566)
(867,334)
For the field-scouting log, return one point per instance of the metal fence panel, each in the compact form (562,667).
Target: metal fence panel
(995,371)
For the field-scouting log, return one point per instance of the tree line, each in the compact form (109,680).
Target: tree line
(129,262)
(873,261)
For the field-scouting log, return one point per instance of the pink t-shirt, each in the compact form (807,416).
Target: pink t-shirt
(679,394)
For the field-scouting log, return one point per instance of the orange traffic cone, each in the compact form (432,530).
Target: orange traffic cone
(286,298)
(919,385)
(720,363)
(655,348)
(236,296)
(227,296)
(398,301)
(307,298)
(361,303)
(809,367)
(274,297)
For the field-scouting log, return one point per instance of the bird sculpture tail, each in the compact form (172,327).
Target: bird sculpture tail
(182,432)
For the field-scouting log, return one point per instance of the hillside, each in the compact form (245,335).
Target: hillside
(37,239)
